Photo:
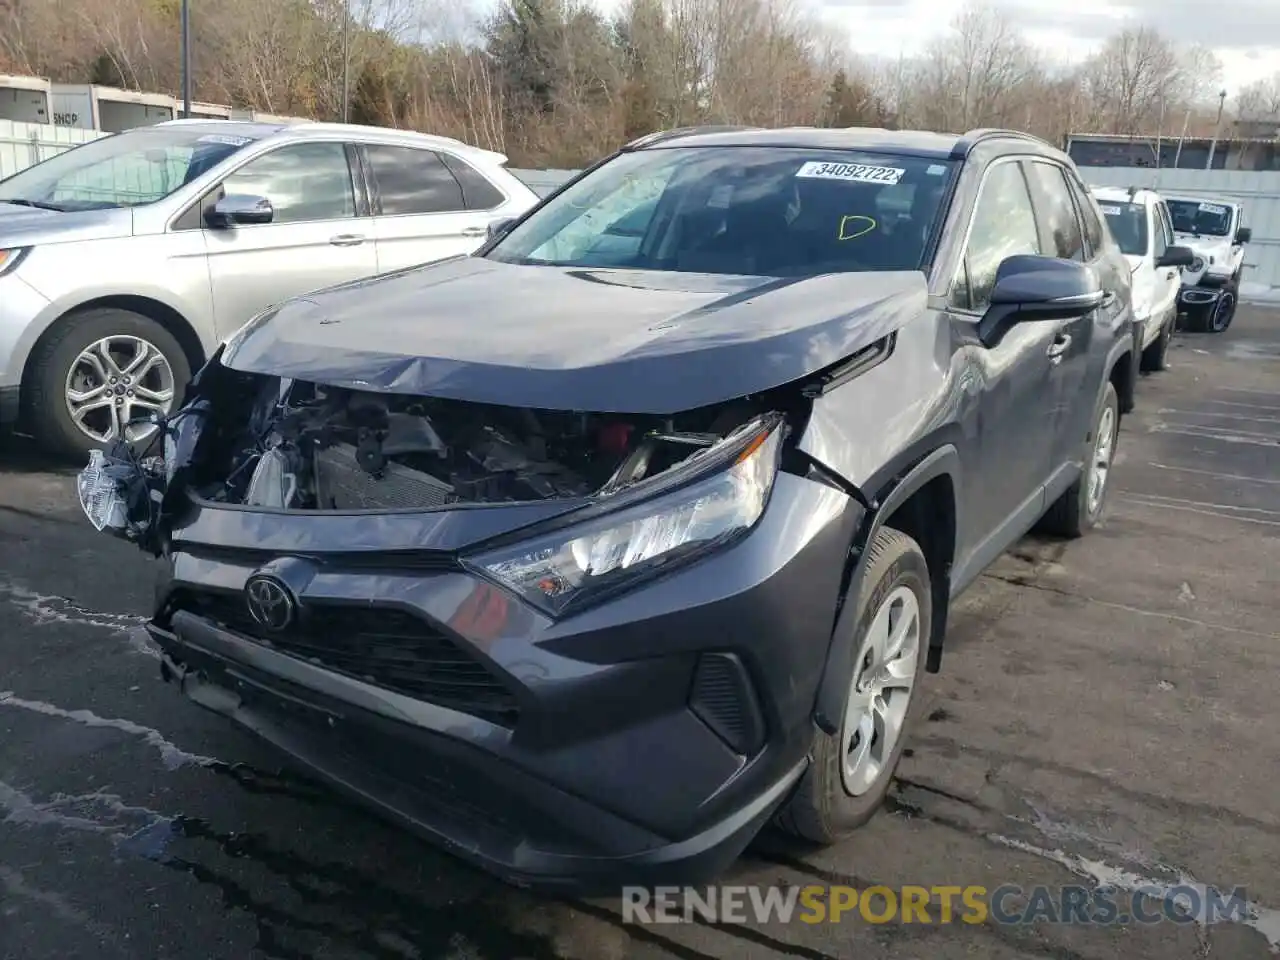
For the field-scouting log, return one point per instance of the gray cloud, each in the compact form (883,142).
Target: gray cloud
(1236,25)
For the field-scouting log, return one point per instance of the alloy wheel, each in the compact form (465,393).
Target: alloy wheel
(112,382)
(1104,446)
(880,696)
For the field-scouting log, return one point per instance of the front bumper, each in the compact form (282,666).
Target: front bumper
(645,740)
(20,307)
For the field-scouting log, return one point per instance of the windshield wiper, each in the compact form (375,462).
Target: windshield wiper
(38,204)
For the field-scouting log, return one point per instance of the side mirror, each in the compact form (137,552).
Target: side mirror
(1244,235)
(1177,257)
(1031,288)
(240,209)
(498,227)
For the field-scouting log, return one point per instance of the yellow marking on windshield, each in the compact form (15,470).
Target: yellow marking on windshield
(854,226)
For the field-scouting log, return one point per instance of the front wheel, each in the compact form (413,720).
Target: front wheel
(1081,506)
(1224,311)
(850,774)
(98,371)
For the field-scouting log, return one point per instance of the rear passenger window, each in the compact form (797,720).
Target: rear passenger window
(413,181)
(477,191)
(1004,225)
(1089,216)
(1057,210)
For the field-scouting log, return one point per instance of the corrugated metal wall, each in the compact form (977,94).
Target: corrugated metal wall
(22,144)
(1257,190)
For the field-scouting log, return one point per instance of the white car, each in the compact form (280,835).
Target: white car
(1142,227)
(1214,231)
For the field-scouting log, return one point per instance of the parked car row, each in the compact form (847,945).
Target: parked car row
(589,552)
(1187,255)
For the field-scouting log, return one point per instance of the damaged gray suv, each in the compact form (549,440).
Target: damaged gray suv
(587,555)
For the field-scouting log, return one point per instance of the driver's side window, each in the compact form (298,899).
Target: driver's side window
(1004,225)
(303,181)
(1159,239)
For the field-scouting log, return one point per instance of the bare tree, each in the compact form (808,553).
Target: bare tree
(1133,79)
(1260,100)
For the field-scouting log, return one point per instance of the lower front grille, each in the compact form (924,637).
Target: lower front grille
(384,647)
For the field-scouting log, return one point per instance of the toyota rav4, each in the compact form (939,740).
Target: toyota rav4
(590,553)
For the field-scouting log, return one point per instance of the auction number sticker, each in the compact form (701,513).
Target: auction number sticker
(1213,208)
(226,141)
(852,172)
(1110,211)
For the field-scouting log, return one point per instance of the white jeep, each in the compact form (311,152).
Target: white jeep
(1143,229)
(1211,284)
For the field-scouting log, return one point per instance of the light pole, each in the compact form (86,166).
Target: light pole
(186,58)
(1217,125)
(346,61)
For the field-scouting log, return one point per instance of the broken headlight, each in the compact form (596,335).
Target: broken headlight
(727,498)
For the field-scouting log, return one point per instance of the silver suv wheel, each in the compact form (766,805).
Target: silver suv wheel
(114,381)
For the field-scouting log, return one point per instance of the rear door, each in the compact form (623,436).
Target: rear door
(1014,418)
(1071,342)
(420,207)
(320,233)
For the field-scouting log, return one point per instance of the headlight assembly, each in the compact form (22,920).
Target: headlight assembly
(1197,264)
(723,498)
(9,259)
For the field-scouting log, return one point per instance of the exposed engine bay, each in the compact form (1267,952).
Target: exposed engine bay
(302,446)
(278,444)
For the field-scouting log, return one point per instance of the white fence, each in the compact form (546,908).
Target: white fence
(22,144)
(1258,191)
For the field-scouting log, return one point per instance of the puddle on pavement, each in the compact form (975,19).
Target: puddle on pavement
(43,610)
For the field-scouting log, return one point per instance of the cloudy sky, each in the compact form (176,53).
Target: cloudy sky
(1245,34)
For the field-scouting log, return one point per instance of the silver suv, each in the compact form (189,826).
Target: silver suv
(124,261)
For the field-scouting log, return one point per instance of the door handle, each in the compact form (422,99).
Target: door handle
(347,240)
(1059,346)
(475,231)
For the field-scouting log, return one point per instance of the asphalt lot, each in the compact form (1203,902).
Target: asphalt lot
(1105,714)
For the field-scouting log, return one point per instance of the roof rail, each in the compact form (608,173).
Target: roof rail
(662,136)
(971,139)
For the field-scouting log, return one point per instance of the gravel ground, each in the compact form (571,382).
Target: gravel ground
(1104,715)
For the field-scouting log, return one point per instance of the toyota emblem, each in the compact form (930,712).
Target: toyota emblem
(269,602)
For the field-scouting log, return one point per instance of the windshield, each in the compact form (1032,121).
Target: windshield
(1200,217)
(124,170)
(1128,223)
(762,211)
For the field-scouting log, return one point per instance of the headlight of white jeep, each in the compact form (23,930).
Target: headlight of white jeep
(1197,265)
(619,547)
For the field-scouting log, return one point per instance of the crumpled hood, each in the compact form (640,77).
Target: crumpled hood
(620,341)
(26,226)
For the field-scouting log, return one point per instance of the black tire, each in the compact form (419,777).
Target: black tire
(1071,515)
(1155,357)
(1217,318)
(821,810)
(44,389)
